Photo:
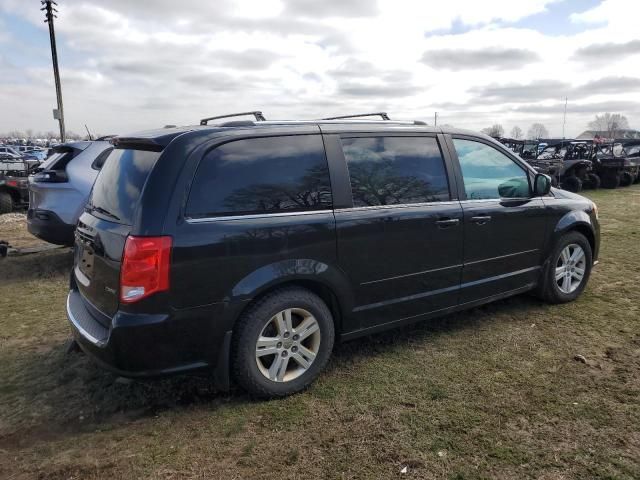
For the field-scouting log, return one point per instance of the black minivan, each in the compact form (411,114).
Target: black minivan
(247,247)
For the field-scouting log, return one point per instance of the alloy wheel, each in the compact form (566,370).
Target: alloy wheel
(570,268)
(288,345)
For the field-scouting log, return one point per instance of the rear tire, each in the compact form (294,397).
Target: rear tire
(610,180)
(267,327)
(559,282)
(626,179)
(572,184)
(6,203)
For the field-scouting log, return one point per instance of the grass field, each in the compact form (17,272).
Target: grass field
(495,392)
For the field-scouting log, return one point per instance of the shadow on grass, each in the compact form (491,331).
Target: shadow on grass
(48,395)
(38,265)
(59,394)
(421,331)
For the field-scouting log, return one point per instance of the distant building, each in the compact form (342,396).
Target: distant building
(622,133)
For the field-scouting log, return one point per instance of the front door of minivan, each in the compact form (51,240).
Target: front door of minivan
(504,226)
(400,240)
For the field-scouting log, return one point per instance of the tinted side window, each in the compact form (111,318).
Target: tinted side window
(395,170)
(489,173)
(262,175)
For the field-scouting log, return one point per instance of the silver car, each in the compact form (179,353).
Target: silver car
(59,191)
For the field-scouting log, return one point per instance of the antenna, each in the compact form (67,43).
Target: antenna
(88,132)
(564,118)
(50,14)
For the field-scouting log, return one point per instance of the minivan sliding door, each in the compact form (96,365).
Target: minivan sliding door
(400,239)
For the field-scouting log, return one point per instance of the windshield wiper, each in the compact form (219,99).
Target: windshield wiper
(104,212)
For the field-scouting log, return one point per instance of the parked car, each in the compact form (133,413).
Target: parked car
(14,191)
(9,150)
(58,191)
(33,152)
(248,247)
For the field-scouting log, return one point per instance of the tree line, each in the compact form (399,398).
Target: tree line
(609,125)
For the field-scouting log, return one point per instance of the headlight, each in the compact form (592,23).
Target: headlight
(595,210)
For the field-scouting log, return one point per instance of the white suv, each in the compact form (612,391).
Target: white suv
(58,192)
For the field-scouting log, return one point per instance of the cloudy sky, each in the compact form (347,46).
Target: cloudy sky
(135,64)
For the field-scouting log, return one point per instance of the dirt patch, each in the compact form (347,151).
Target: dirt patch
(44,265)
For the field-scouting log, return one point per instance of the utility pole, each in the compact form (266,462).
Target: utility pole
(435,119)
(50,14)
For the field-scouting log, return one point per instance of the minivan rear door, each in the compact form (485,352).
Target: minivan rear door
(400,237)
(104,226)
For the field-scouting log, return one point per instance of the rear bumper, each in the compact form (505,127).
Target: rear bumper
(149,345)
(48,226)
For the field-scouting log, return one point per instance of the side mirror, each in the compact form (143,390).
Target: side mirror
(541,185)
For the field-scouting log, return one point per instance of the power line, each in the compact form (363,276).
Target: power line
(50,14)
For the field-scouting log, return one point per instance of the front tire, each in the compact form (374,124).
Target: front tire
(282,343)
(568,269)
(572,184)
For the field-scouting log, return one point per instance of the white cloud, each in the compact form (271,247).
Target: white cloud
(131,65)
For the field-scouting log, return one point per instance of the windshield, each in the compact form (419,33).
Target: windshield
(119,184)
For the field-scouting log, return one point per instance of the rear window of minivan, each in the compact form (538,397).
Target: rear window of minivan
(119,184)
(262,176)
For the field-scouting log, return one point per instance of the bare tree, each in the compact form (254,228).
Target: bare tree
(609,124)
(516,132)
(537,130)
(494,130)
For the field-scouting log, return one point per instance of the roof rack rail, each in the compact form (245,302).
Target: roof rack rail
(359,115)
(257,114)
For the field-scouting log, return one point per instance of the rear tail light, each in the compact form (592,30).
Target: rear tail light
(145,267)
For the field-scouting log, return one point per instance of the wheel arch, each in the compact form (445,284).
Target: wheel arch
(587,232)
(326,281)
(326,294)
(576,221)
(571,167)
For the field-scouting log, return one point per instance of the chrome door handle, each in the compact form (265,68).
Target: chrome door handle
(481,219)
(447,222)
